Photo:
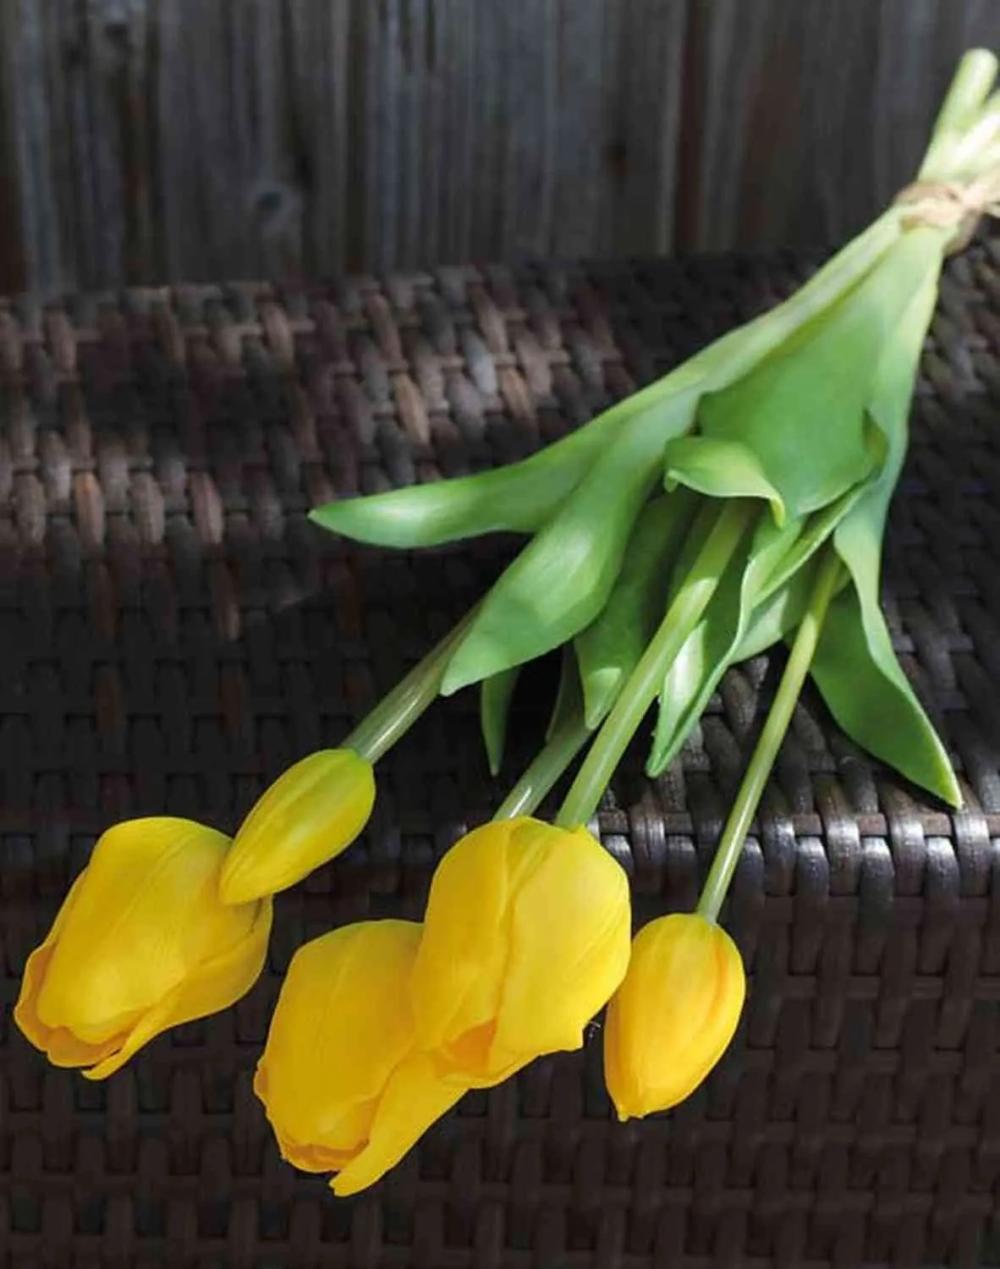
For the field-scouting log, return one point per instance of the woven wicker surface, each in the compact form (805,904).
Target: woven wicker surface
(174,633)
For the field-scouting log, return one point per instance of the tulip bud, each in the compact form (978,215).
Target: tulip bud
(526,936)
(141,943)
(308,815)
(341,1085)
(673,1016)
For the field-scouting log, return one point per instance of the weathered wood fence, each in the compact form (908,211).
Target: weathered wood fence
(146,140)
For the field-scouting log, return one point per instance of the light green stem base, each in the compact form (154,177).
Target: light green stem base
(544,770)
(646,680)
(396,712)
(747,799)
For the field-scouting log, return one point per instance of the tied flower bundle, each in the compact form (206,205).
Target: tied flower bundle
(736,503)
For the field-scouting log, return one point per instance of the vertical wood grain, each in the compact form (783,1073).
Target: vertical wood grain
(146,140)
(808,115)
(15,246)
(641,147)
(320,92)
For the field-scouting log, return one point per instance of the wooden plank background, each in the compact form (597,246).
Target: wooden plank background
(153,140)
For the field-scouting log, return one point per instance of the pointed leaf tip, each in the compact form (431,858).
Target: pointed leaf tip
(495,696)
(602,688)
(866,690)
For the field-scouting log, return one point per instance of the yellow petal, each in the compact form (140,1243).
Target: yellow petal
(315,1158)
(212,985)
(59,1045)
(340,1026)
(309,1158)
(674,1015)
(309,815)
(570,935)
(463,950)
(485,1068)
(146,912)
(414,1097)
(526,936)
(35,969)
(66,1050)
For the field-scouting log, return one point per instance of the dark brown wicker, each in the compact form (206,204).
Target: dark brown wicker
(174,633)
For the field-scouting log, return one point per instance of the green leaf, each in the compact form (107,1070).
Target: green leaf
(775,588)
(567,708)
(494,708)
(705,653)
(855,666)
(561,580)
(815,531)
(803,409)
(730,357)
(609,648)
(691,680)
(967,95)
(892,392)
(525,496)
(749,612)
(856,671)
(721,469)
(519,498)
(777,615)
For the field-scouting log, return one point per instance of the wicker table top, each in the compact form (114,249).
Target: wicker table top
(174,633)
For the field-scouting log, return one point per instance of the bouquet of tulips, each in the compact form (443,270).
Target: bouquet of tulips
(734,504)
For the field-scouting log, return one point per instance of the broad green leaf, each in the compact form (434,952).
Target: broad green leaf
(803,409)
(709,648)
(752,609)
(697,672)
(561,580)
(494,707)
(778,614)
(892,392)
(721,469)
(815,531)
(609,648)
(856,671)
(524,496)
(737,352)
(855,667)
(772,592)
(518,498)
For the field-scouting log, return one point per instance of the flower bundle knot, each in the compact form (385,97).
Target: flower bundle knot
(951,204)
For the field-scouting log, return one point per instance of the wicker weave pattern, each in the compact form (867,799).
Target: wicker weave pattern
(174,633)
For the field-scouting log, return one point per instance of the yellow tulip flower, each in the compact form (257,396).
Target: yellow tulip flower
(526,936)
(309,814)
(342,1086)
(674,1015)
(142,942)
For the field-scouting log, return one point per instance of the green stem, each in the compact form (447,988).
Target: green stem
(646,680)
(545,769)
(396,712)
(968,91)
(747,799)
